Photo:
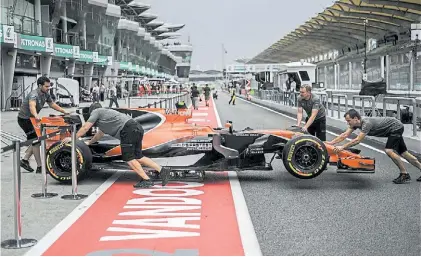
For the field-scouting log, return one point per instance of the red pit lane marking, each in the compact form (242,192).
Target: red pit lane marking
(179,219)
(190,220)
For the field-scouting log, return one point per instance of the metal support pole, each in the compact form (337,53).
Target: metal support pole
(43,149)
(331,106)
(18,242)
(373,107)
(74,195)
(128,102)
(414,117)
(365,48)
(362,107)
(384,108)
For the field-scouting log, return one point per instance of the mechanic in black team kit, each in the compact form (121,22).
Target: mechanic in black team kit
(316,113)
(31,106)
(389,127)
(130,133)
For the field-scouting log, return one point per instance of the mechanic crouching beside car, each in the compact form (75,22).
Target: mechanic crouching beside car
(316,113)
(130,133)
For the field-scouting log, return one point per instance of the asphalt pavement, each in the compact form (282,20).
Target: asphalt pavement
(333,214)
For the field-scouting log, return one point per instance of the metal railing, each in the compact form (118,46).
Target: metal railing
(399,100)
(284,98)
(22,24)
(16,100)
(363,98)
(339,96)
(166,101)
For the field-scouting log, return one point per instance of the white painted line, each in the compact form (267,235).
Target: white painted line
(247,233)
(248,236)
(200,114)
(66,223)
(334,134)
(203,108)
(197,120)
(218,120)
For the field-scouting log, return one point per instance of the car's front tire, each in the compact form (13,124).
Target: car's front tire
(59,161)
(305,157)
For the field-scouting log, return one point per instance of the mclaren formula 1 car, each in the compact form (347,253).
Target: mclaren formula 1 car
(168,134)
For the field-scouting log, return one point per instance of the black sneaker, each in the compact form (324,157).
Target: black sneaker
(402,179)
(419,179)
(144,184)
(165,175)
(39,170)
(25,164)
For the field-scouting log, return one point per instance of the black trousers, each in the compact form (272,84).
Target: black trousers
(318,128)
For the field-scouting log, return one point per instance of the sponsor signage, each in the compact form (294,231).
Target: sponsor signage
(35,43)
(86,56)
(8,34)
(63,51)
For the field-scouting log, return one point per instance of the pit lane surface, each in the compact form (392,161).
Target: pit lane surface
(333,214)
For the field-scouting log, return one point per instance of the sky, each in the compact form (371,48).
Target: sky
(244,27)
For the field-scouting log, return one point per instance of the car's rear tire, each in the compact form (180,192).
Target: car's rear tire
(58,161)
(305,157)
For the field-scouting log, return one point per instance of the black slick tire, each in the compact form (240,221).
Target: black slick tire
(58,157)
(305,157)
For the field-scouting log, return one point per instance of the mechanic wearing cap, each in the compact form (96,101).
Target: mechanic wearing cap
(31,106)
(389,127)
(130,133)
(316,113)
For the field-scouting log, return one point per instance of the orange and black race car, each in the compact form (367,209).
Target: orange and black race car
(168,134)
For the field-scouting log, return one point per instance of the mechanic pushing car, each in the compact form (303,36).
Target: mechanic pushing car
(316,113)
(31,106)
(130,133)
(389,127)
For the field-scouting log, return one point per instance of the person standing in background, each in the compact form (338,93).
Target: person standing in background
(102,92)
(195,96)
(206,92)
(232,93)
(113,96)
(95,93)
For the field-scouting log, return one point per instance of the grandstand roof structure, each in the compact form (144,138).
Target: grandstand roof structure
(136,11)
(342,25)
